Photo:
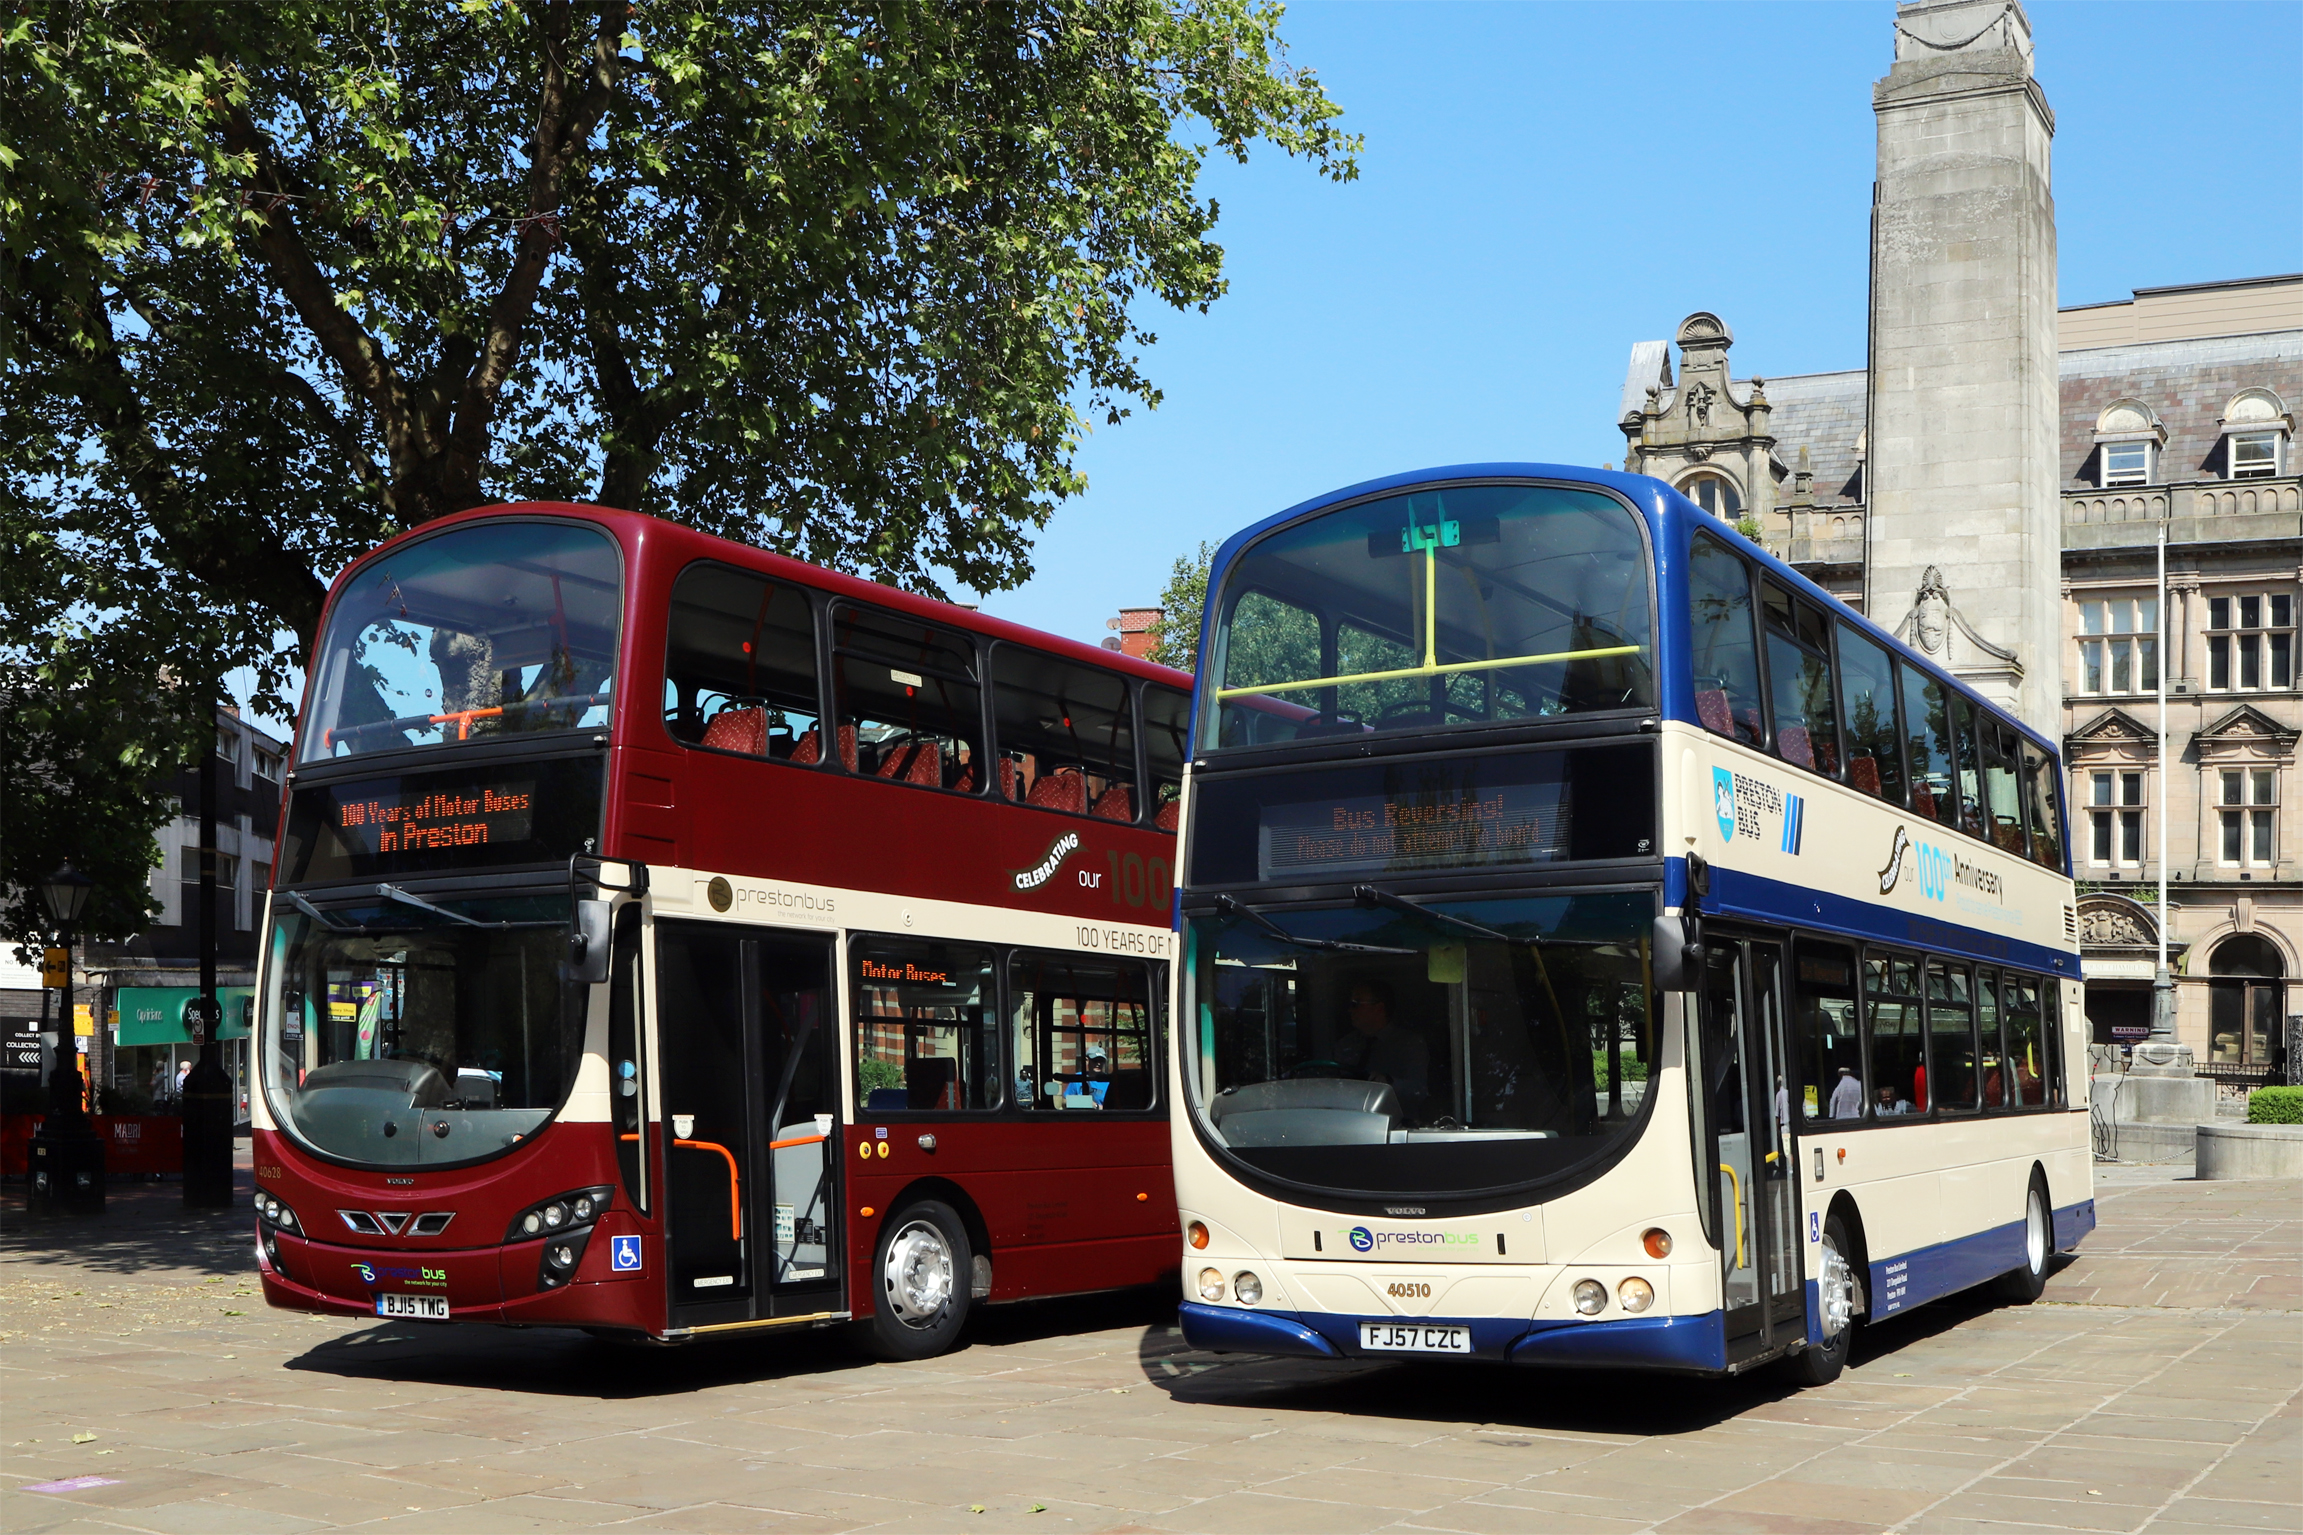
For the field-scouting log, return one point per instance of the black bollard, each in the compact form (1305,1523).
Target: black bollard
(67,1155)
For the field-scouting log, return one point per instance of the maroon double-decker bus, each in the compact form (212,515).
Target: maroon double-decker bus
(670,938)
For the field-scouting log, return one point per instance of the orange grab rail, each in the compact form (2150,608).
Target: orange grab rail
(735,1195)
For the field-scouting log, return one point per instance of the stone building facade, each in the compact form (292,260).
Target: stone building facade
(2176,412)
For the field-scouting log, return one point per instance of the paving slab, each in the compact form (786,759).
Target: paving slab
(2157,1386)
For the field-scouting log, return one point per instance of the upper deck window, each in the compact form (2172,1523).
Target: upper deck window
(740,665)
(1466,605)
(481,631)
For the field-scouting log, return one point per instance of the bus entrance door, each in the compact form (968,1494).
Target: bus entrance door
(1746,1113)
(748,1122)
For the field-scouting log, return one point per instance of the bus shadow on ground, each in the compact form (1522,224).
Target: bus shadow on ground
(1499,1396)
(556,1361)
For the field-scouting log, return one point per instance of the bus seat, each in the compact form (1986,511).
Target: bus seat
(1115,804)
(1063,789)
(738,730)
(1827,757)
(1863,772)
(1129,1090)
(1711,708)
(1169,814)
(888,1098)
(932,1082)
(811,747)
(915,762)
(1923,800)
(1793,745)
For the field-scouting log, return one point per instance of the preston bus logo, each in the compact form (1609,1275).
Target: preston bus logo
(1723,802)
(1895,856)
(1043,871)
(1362,1239)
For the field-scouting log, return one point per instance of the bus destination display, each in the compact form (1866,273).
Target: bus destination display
(1446,827)
(1347,821)
(439,818)
(457,818)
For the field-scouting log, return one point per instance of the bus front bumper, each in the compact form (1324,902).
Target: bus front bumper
(1686,1343)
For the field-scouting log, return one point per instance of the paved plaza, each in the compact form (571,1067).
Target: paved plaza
(2158,1386)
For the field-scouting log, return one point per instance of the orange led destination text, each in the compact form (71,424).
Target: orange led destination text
(443,819)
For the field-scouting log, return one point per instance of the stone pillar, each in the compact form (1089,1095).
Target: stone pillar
(1962,475)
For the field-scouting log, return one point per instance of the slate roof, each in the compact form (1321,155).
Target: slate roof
(1650,366)
(1823,413)
(2187,382)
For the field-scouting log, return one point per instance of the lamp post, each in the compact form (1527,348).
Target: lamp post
(67,1156)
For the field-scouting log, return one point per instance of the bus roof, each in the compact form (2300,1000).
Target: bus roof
(635,528)
(1658,502)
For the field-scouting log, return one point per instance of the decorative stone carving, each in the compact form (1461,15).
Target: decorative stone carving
(1934,618)
(2113,925)
(1699,404)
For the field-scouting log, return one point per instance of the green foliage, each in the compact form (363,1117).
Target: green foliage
(2275,1106)
(1175,638)
(851,282)
(1748,526)
(872,1072)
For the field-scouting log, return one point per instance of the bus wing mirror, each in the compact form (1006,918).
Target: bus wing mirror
(588,942)
(1677,952)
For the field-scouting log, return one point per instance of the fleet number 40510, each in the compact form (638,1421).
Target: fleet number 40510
(1408,1291)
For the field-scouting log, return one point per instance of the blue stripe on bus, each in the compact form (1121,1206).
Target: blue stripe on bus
(1663,1342)
(1929,1273)
(1737,893)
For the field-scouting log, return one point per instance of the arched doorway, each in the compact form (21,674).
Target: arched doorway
(2246,1001)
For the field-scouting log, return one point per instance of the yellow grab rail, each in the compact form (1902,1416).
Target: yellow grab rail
(1430,671)
(1738,1182)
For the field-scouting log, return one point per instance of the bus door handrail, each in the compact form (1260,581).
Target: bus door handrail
(735,1179)
(1738,1182)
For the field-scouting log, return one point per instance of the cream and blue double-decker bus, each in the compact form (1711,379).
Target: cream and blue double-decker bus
(1601,946)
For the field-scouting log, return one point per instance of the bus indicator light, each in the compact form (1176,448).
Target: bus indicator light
(1657,1241)
(1196,1234)
(867,1212)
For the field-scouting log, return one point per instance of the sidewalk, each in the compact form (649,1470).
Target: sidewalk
(2156,1387)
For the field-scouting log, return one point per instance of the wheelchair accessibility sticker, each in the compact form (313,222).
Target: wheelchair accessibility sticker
(624,1255)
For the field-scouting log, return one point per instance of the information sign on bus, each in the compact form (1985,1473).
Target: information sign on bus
(463,817)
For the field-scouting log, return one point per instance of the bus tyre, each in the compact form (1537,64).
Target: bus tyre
(2024,1285)
(920,1276)
(1836,1299)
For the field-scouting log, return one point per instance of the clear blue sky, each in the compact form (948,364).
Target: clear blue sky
(1545,184)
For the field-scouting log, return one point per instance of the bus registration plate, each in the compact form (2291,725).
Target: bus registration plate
(425,1308)
(1414,1338)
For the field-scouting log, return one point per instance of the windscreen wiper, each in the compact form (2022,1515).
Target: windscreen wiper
(1225,903)
(1370,896)
(297,900)
(395,893)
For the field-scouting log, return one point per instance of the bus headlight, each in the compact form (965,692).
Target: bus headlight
(274,1213)
(1246,1288)
(1635,1293)
(1590,1297)
(1210,1284)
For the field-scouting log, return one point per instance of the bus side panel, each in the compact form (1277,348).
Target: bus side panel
(1069,1207)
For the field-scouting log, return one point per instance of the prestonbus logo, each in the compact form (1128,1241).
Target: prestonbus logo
(1363,1240)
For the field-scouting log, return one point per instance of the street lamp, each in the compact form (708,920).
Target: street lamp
(68,1159)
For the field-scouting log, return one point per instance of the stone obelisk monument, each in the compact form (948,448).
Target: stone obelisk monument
(1963,522)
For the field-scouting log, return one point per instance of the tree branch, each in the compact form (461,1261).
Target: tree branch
(562,129)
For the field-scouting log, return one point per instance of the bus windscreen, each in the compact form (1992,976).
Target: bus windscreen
(484,630)
(1455,606)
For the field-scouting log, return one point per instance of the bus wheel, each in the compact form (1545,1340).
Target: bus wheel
(920,1282)
(1819,1364)
(2023,1285)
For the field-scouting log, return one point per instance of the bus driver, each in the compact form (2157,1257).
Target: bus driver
(1380,1050)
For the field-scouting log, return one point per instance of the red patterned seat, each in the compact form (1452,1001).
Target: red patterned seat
(1711,708)
(1169,814)
(915,762)
(738,730)
(1863,772)
(810,747)
(1063,789)
(1923,800)
(1116,803)
(1792,744)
